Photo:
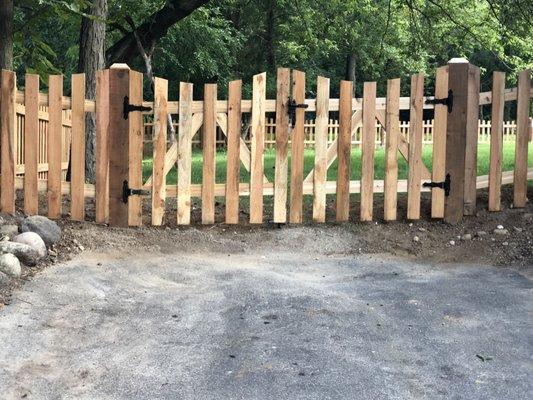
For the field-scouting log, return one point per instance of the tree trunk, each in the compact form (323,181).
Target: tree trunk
(6,34)
(91,59)
(270,35)
(350,69)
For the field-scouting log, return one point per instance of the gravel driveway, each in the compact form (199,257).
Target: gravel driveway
(274,325)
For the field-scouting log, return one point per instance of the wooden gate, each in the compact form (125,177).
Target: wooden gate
(297,190)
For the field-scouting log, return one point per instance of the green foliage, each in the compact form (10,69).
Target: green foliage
(232,39)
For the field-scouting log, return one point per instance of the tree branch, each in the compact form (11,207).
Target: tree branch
(154,28)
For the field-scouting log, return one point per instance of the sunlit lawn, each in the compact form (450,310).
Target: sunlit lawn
(270,156)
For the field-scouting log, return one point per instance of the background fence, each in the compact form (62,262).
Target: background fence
(39,132)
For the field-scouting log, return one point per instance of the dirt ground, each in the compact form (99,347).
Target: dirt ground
(422,240)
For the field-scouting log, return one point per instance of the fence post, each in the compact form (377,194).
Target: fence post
(119,88)
(456,136)
(8,85)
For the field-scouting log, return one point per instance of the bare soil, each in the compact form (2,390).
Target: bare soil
(423,240)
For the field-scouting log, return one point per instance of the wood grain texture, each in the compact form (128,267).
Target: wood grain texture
(344,152)
(297,150)
(55,127)
(102,147)
(159,150)
(392,116)
(119,83)
(471,141)
(415,147)
(367,151)
(522,138)
(282,145)
(234,123)
(7,141)
(438,173)
(321,149)
(456,140)
(258,144)
(77,181)
(31,144)
(185,154)
(496,141)
(209,152)
(136,139)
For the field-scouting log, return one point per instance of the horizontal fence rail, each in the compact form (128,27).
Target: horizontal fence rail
(42,133)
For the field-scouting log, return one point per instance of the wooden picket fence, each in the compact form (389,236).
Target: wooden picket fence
(119,148)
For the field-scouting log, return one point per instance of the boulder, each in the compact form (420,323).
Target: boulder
(26,254)
(33,240)
(9,230)
(47,229)
(10,265)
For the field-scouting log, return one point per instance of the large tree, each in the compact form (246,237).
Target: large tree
(91,59)
(6,34)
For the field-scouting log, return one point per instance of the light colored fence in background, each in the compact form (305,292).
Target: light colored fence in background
(484,127)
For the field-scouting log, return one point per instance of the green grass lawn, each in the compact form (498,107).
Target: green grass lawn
(270,157)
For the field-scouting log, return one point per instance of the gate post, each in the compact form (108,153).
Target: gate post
(462,117)
(119,87)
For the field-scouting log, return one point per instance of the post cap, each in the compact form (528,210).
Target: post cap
(458,60)
(119,66)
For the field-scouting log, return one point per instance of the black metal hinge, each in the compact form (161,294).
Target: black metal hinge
(127,192)
(292,106)
(127,108)
(447,101)
(441,185)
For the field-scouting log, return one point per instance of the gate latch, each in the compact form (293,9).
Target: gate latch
(441,185)
(127,192)
(292,106)
(127,108)
(447,101)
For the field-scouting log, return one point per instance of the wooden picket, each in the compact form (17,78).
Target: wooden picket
(234,121)
(367,151)
(77,182)
(258,137)
(522,138)
(344,151)
(159,150)
(31,145)
(391,150)
(415,147)
(282,145)
(321,149)
(185,133)
(41,133)
(496,141)
(209,150)
(55,97)
(297,149)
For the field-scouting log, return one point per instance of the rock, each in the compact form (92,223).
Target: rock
(26,254)
(416,239)
(505,244)
(481,233)
(499,227)
(500,231)
(10,265)
(452,242)
(47,229)
(9,230)
(422,229)
(4,279)
(517,229)
(34,240)
(466,236)
(527,216)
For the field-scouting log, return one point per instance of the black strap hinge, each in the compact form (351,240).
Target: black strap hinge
(441,185)
(292,106)
(447,101)
(127,108)
(127,192)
